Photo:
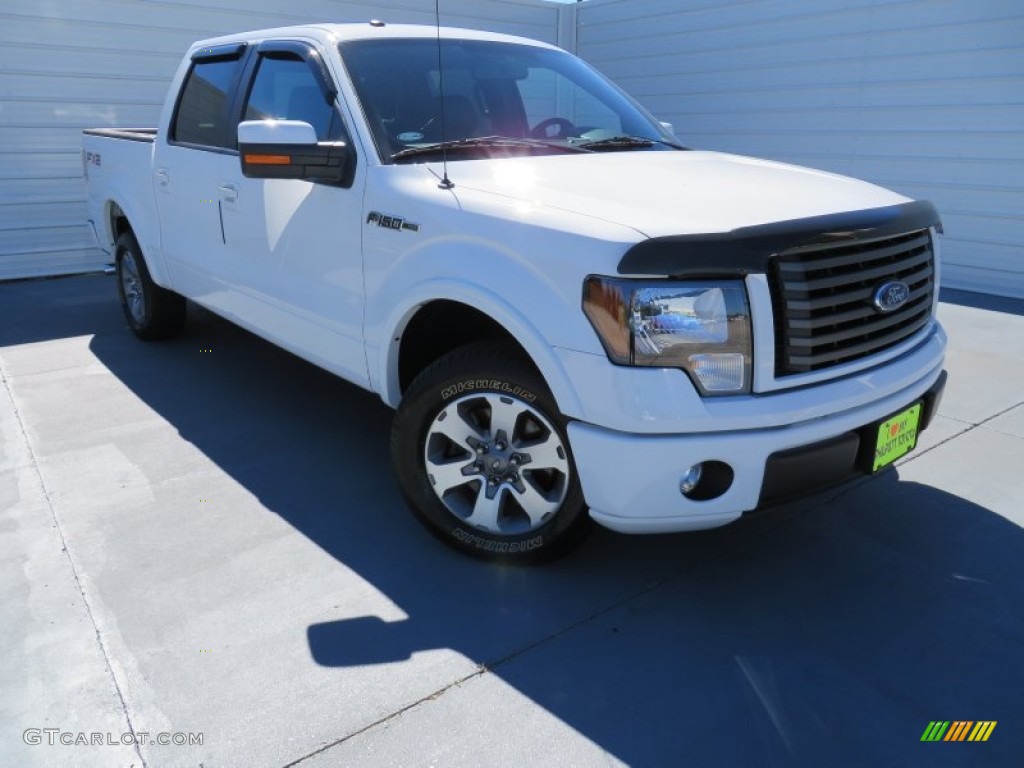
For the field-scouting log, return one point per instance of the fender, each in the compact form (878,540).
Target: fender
(537,300)
(383,366)
(145,228)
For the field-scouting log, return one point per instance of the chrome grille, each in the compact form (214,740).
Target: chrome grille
(822,297)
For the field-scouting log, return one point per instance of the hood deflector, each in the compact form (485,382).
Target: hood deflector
(749,249)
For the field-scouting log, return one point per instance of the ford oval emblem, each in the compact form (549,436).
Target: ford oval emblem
(891,295)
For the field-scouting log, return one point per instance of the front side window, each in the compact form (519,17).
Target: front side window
(538,100)
(201,117)
(285,89)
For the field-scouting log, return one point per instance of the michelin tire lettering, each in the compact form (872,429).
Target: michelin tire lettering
(498,547)
(473,385)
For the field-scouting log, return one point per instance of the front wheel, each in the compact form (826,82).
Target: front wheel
(482,457)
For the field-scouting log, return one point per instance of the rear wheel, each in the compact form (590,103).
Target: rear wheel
(482,457)
(152,312)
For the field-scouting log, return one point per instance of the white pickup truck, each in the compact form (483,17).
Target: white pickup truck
(575,316)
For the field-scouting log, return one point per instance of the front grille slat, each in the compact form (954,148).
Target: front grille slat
(880,323)
(829,301)
(834,281)
(795,299)
(864,348)
(844,260)
(823,299)
(806,322)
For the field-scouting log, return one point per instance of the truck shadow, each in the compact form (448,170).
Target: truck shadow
(827,633)
(1004,304)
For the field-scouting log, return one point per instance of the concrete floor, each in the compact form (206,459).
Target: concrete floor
(203,536)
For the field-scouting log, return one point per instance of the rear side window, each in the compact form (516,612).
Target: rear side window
(285,89)
(202,110)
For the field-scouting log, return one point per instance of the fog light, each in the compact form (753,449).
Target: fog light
(720,371)
(690,480)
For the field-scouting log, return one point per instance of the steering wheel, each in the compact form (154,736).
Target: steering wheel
(542,129)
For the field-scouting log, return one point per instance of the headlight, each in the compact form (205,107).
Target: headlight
(701,326)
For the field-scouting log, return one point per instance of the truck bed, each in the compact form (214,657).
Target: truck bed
(118,164)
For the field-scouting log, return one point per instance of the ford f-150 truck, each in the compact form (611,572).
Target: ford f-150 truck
(576,317)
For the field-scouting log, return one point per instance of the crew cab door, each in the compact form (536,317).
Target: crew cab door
(294,245)
(192,158)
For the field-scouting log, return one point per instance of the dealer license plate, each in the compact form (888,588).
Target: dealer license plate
(897,436)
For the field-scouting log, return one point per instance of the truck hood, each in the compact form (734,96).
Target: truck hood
(669,193)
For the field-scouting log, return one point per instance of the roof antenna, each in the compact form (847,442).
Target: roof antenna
(446,183)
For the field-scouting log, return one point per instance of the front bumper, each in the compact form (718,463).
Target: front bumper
(631,481)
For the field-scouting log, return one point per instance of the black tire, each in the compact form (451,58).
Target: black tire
(471,385)
(152,312)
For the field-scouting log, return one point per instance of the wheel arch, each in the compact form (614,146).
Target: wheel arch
(415,343)
(119,218)
(117,222)
(420,345)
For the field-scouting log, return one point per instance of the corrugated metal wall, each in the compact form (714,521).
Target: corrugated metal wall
(66,65)
(923,96)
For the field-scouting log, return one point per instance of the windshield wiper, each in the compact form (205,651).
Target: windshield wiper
(625,142)
(484,142)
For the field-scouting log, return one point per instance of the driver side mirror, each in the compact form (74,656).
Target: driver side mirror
(288,149)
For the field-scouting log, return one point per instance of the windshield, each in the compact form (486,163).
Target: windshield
(546,99)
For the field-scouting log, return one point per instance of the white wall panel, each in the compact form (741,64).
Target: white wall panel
(66,65)
(924,96)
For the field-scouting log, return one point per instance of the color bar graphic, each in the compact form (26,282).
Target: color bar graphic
(958,730)
(982,730)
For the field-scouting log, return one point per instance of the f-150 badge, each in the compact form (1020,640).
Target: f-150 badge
(391,222)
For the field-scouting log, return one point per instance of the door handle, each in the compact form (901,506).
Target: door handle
(162,177)
(229,192)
